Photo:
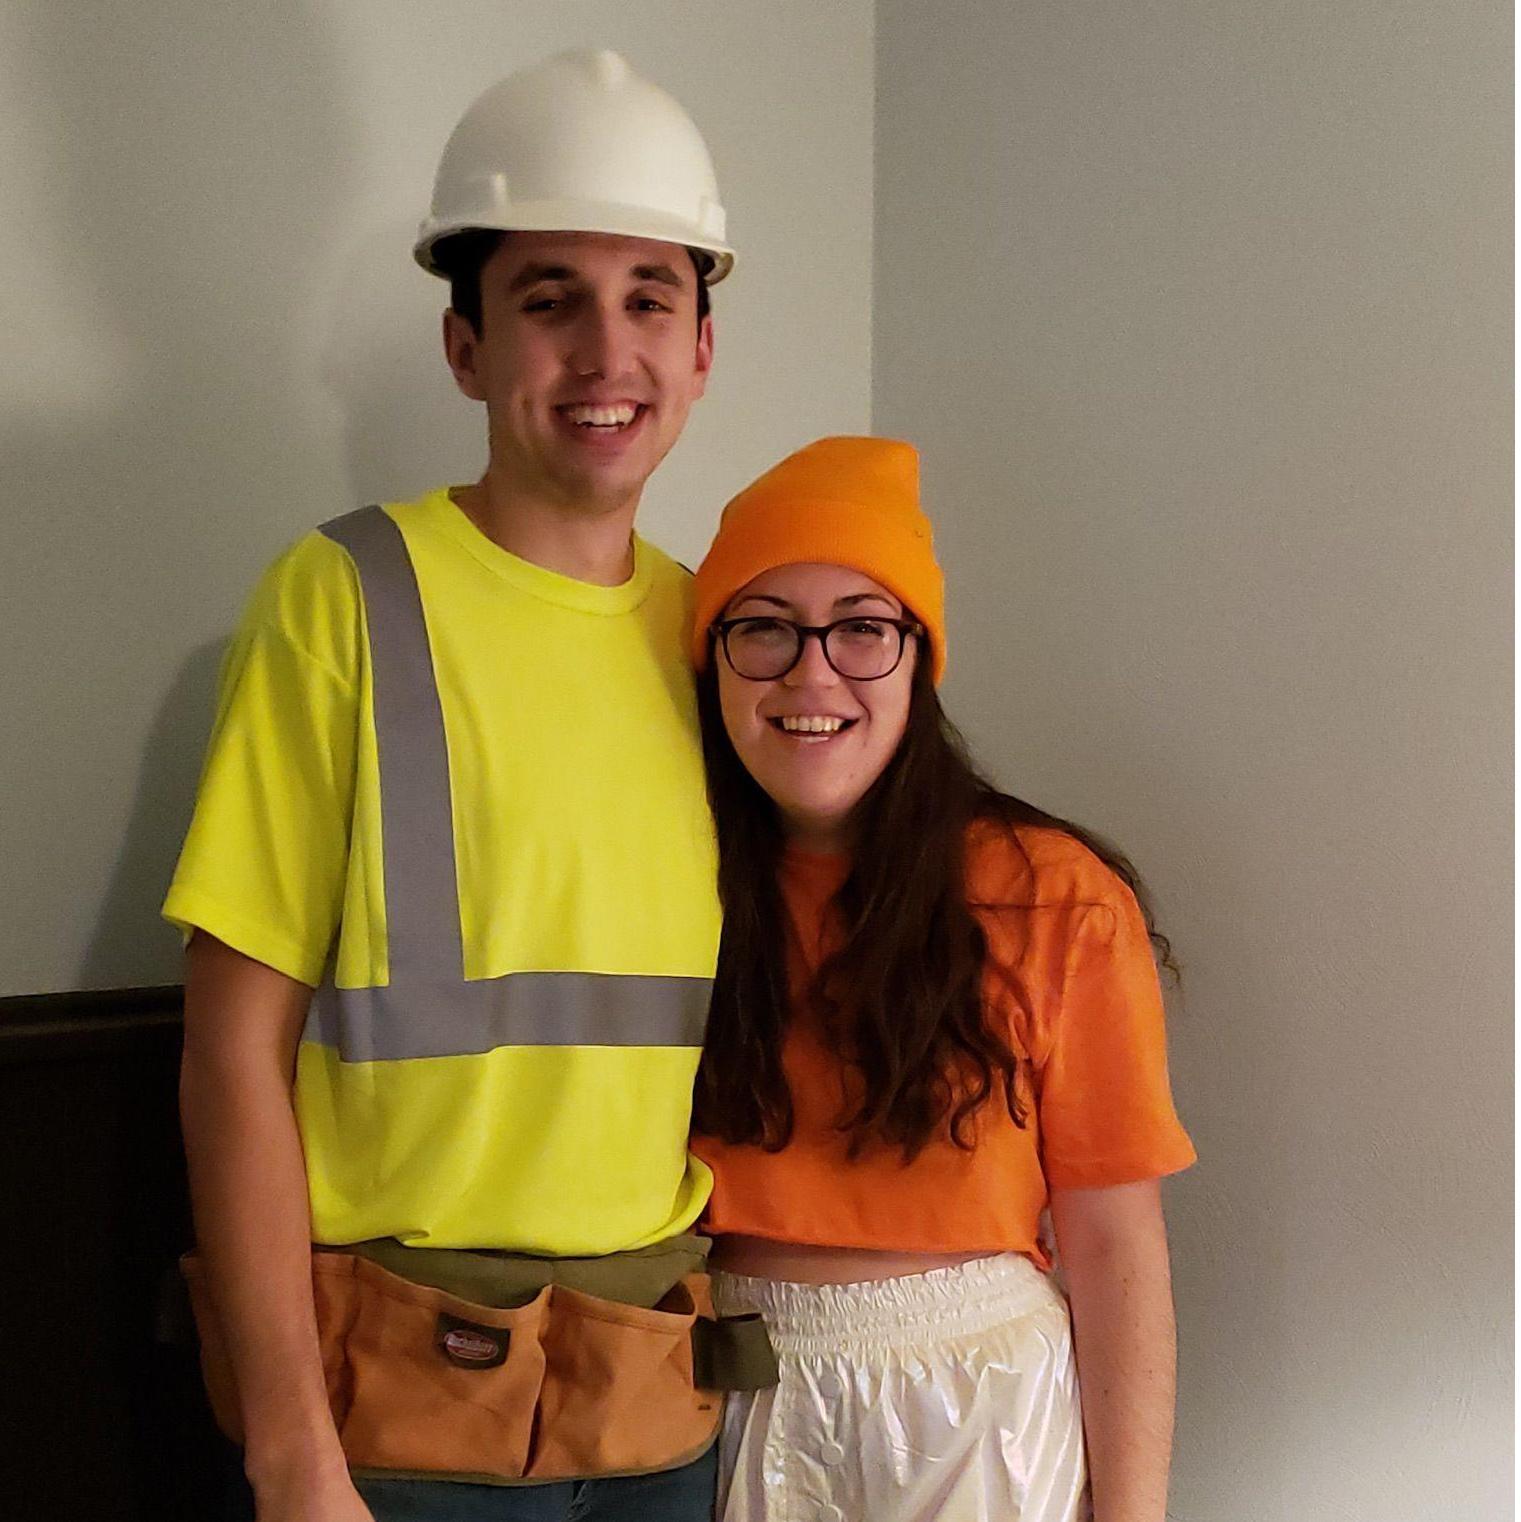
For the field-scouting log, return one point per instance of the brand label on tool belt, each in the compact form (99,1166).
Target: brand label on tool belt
(471,1345)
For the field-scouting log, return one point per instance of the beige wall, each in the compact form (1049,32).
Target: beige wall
(1200,313)
(215,338)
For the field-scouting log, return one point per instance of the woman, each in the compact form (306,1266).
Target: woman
(936,1012)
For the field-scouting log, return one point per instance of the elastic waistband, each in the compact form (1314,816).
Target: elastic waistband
(944,1303)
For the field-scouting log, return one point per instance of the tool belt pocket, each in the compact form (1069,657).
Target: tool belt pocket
(569,1385)
(417,1379)
(436,1383)
(619,1391)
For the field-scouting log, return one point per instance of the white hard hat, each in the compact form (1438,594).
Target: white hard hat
(578,143)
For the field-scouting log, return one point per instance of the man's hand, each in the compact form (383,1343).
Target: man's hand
(304,1494)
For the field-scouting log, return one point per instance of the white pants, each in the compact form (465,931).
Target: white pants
(949,1396)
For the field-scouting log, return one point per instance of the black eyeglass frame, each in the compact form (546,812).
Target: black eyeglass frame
(719,633)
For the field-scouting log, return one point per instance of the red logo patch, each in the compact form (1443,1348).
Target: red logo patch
(471,1347)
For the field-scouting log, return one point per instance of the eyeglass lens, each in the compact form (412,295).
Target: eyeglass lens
(860,648)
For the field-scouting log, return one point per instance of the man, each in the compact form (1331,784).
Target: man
(454,787)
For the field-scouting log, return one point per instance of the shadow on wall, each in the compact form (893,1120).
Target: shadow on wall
(166,784)
(405,426)
(223,376)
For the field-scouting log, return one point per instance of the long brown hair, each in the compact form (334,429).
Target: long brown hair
(912,1025)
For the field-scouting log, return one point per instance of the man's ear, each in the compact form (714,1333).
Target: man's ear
(461,349)
(704,357)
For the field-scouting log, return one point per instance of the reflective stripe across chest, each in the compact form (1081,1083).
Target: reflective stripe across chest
(429,1008)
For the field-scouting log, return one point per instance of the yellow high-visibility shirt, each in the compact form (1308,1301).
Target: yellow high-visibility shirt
(524,1080)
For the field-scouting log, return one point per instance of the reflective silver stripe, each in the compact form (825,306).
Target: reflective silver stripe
(416,826)
(520,1009)
(429,1009)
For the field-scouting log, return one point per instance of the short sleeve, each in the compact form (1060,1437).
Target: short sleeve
(1105,1104)
(265,859)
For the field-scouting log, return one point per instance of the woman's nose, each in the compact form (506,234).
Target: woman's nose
(812,668)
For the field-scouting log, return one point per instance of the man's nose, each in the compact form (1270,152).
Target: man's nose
(601,344)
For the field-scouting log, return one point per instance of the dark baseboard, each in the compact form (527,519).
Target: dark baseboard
(98,1022)
(101,1420)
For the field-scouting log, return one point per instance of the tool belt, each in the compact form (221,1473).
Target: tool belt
(503,1368)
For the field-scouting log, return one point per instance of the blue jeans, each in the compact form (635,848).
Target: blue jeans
(674,1495)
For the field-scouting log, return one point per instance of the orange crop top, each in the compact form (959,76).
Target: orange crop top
(1066,934)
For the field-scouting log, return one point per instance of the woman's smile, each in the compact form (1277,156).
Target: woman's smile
(816,741)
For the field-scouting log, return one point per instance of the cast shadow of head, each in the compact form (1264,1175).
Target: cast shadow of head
(405,426)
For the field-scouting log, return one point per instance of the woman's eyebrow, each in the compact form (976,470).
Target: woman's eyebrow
(859,597)
(847,603)
(776,602)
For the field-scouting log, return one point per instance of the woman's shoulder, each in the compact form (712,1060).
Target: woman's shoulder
(1035,866)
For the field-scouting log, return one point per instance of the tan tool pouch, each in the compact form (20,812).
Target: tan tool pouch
(565,1385)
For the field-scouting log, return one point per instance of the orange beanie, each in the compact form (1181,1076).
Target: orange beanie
(843,501)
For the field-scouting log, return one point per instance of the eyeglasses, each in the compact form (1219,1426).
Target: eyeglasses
(859,649)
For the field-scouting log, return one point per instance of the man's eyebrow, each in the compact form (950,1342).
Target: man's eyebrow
(532,274)
(662,273)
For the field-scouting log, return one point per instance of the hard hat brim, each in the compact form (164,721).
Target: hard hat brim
(577,216)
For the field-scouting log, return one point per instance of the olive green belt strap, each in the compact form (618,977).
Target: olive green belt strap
(733,1353)
(505,1280)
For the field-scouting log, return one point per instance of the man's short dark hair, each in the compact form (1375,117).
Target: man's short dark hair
(462,256)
